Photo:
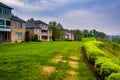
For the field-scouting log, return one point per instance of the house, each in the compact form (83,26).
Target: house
(12,28)
(39,28)
(69,35)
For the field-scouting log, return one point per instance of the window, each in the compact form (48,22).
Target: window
(38,30)
(2,22)
(6,11)
(38,37)
(8,23)
(31,30)
(0,9)
(18,24)
(18,35)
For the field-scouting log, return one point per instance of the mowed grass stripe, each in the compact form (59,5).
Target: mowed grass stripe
(24,61)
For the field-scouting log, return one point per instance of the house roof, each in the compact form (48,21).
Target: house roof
(3,5)
(33,24)
(16,18)
(68,31)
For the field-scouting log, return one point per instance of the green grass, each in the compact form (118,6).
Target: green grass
(24,61)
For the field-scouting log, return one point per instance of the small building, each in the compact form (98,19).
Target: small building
(69,35)
(39,28)
(12,28)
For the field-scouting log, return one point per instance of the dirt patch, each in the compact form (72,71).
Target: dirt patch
(71,78)
(57,59)
(74,58)
(89,65)
(73,64)
(71,72)
(48,70)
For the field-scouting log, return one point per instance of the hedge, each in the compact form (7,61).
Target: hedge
(114,76)
(103,63)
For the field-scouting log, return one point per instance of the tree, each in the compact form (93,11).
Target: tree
(86,32)
(57,31)
(77,34)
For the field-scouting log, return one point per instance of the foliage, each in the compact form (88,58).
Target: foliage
(104,63)
(58,32)
(116,39)
(107,68)
(35,38)
(77,34)
(93,51)
(114,76)
(94,33)
(98,62)
(89,39)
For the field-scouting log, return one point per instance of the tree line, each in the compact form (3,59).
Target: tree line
(59,32)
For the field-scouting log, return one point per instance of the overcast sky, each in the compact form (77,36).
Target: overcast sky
(102,15)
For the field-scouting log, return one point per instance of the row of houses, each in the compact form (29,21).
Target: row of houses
(13,28)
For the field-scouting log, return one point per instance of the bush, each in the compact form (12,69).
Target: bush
(107,68)
(88,39)
(114,76)
(93,51)
(35,38)
(99,62)
(103,63)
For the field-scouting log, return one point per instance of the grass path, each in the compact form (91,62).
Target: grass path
(43,61)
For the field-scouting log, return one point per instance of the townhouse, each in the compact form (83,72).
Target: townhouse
(69,35)
(12,28)
(39,28)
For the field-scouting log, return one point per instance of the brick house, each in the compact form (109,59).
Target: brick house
(39,28)
(12,28)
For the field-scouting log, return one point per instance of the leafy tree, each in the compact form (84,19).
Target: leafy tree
(57,31)
(78,35)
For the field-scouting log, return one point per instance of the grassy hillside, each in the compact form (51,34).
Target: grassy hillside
(43,61)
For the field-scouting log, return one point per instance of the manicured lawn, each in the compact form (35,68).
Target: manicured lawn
(43,61)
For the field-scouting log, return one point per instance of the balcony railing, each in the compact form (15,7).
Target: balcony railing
(44,33)
(5,28)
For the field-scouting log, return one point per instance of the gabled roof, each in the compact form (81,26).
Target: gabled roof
(3,5)
(16,18)
(33,24)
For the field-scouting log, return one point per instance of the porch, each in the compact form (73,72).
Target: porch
(5,37)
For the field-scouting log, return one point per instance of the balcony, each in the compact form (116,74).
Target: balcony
(5,28)
(44,33)
(5,25)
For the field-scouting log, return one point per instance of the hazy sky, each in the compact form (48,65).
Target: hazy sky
(102,15)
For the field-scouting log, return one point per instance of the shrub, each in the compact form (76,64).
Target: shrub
(93,51)
(107,68)
(35,38)
(99,62)
(114,76)
(88,39)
